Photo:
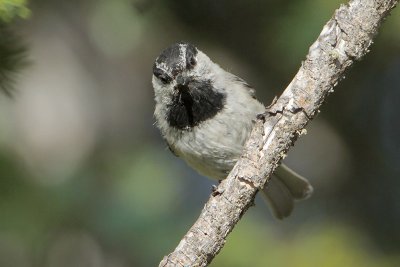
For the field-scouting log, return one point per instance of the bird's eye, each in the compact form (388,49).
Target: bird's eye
(164,79)
(191,53)
(161,75)
(192,61)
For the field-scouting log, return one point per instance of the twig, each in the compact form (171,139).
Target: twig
(345,39)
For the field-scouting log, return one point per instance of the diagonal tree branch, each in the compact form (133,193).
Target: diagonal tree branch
(345,39)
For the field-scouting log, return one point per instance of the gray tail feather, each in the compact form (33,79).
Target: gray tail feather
(283,189)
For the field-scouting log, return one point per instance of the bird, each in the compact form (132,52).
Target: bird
(206,114)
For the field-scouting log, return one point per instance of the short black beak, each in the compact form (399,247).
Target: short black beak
(182,83)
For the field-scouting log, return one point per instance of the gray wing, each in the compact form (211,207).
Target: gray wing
(171,149)
(252,91)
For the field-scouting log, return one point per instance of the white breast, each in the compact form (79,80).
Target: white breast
(213,147)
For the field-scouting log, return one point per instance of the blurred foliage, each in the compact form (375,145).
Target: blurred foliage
(125,200)
(11,9)
(13,56)
(324,244)
(12,52)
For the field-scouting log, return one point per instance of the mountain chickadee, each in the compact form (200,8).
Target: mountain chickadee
(206,114)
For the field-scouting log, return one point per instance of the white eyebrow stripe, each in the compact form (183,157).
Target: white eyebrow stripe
(182,55)
(164,67)
(178,64)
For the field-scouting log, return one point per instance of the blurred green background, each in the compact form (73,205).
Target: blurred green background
(86,180)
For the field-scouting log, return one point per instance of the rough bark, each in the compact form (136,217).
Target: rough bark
(344,39)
